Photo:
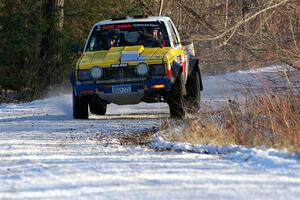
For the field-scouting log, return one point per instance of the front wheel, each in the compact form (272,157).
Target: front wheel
(175,99)
(98,107)
(80,107)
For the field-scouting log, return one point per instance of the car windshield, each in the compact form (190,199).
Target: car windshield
(148,34)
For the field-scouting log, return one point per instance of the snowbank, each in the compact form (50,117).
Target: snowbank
(267,157)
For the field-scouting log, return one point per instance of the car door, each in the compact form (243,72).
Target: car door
(180,58)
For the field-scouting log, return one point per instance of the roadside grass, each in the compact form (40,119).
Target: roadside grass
(271,119)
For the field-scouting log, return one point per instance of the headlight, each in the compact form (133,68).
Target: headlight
(96,72)
(142,69)
(84,75)
(157,70)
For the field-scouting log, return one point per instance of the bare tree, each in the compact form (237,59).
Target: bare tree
(48,67)
(160,7)
(239,33)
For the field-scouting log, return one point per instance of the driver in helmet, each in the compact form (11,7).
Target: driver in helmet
(113,39)
(154,39)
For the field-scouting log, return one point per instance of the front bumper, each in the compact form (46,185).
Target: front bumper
(139,88)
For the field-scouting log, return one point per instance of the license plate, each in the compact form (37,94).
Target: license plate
(117,89)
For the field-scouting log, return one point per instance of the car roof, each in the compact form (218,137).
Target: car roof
(133,19)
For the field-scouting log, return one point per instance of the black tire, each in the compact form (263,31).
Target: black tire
(175,99)
(193,89)
(80,107)
(98,107)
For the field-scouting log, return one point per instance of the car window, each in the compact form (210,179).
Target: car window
(173,33)
(149,34)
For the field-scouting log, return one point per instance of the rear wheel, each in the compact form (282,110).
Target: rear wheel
(175,99)
(193,88)
(80,107)
(98,107)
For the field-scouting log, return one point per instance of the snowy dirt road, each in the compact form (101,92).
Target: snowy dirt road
(45,154)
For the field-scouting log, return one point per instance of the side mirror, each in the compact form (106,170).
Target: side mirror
(188,47)
(186,41)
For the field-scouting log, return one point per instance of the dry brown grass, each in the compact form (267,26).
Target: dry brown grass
(267,120)
(138,138)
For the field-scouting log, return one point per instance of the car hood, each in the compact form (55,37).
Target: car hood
(128,54)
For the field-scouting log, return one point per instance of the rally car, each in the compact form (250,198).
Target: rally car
(132,60)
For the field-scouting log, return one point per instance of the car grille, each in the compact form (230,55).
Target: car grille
(117,73)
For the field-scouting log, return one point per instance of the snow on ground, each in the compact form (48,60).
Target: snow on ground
(45,154)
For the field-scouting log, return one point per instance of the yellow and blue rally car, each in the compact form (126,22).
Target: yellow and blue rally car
(132,60)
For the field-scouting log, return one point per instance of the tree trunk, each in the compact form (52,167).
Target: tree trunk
(161,7)
(59,5)
(49,69)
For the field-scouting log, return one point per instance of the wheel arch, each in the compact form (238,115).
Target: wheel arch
(195,67)
(72,78)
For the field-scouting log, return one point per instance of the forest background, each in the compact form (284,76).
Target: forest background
(40,39)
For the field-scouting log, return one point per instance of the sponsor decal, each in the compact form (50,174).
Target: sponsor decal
(146,25)
(108,27)
(180,59)
(117,89)
(116,26)
(119,65)
(125,26)
(129,56)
